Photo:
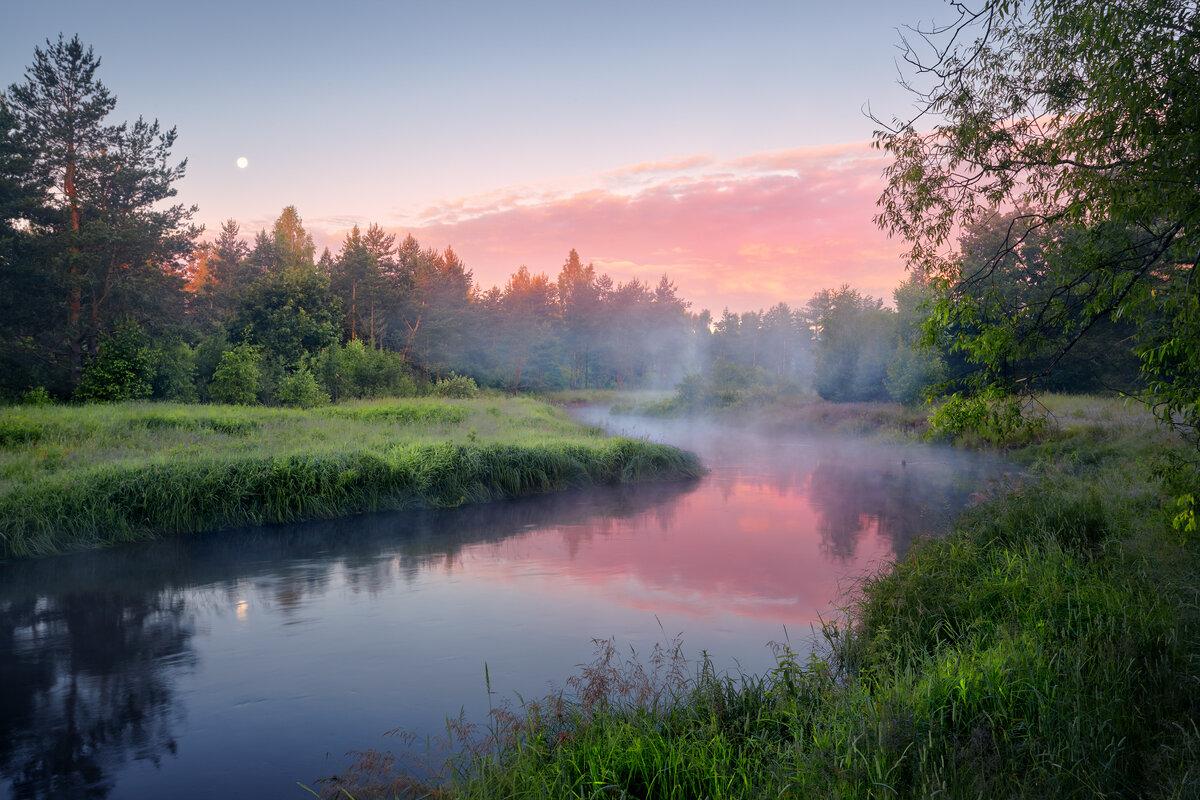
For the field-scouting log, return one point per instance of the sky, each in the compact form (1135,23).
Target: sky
(723,144)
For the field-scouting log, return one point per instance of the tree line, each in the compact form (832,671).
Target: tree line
(108,292)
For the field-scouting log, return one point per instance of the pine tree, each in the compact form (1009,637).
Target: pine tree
(114,247)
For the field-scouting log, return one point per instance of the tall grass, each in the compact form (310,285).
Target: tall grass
(1049,647)
(91,476)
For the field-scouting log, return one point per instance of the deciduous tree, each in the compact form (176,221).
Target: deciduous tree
(1084,118)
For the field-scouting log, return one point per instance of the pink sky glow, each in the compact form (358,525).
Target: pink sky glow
(742,233)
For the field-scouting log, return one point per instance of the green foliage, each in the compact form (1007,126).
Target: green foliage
(174,373)
(207,355)
(288,314)
(300,389)
(993,417)
(354,371)
(460,386)
(357,279)
(1185,520)
(1171,359)
(98,242)
(236,378)
(37,396)
(1042,107)
(855,338)
(912,373)
(918,364)
(293,246)
(122,369)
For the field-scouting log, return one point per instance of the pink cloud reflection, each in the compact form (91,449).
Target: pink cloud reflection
(709,558)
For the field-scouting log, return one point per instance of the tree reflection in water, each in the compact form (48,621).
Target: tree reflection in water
(87,672)
(82,688)
(901,506)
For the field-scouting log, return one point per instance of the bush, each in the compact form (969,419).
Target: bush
(206,357)
(725,384)
(994,418)
(121,369)
(174,373)
(353,371)
(461,386)
(301,390)
(237,376)
(36,396)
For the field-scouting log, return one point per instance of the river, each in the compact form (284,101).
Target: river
(241,663)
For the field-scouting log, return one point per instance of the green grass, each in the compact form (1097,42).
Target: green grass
(1049,647)
(88,476)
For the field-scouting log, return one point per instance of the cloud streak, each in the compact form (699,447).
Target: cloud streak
(743,233)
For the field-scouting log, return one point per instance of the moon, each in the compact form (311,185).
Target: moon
(243,162)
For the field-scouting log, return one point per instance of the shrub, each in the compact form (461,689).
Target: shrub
(352,371)
(121,369)
(36,396)
(206,357)
(174,373)
(994,418)
(301,390)
(461,386)
(237,376)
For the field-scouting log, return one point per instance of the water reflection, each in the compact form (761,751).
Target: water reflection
(131,672)
(91,645)
(83,689)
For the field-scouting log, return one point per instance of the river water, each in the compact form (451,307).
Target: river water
(242,663)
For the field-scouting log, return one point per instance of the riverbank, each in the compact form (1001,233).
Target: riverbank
(1048,647)
(76,477)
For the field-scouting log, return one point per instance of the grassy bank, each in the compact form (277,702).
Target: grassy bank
(87,476)
(1049,647)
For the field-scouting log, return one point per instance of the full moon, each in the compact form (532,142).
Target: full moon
(243,162)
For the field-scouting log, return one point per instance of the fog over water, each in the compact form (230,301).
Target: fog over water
(239,663)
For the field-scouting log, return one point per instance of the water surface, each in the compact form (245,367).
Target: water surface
(240,663)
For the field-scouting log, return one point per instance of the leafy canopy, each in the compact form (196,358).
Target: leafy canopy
(1080,122)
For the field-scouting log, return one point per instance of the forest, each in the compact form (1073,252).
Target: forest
(108,291)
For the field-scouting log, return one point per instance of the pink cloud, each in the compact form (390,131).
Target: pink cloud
(743,234)
(667,165)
